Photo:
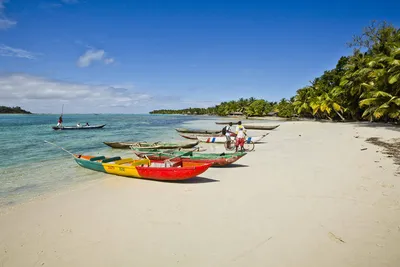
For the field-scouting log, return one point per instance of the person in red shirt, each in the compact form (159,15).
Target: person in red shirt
(240,136)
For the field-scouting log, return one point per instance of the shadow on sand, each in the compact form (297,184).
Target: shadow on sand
(194,180)
(231,166)
(386,126)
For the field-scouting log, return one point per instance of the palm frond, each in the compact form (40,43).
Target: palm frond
(394,78)
(367,102)
(381,94)
(336,107)
(368,112)
(343,82)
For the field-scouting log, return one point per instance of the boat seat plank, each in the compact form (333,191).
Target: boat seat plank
(122,161)
(97,158)
(111,159)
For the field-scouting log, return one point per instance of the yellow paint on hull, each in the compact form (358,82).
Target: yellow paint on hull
(121,170)
(125,170)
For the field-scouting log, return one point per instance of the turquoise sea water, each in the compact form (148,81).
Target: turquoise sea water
(30,167)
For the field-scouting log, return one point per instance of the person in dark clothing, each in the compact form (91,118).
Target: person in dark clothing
(60,121)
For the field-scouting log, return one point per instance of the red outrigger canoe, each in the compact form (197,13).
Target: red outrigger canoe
(217,160)
(143,168)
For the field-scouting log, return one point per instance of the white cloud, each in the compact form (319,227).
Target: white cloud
(93,55)
(7,51)
(90,55)
(5,23)
(109,60)
(39,94)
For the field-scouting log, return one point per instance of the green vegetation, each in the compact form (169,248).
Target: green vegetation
(13,110)
(248,107)
(363,86)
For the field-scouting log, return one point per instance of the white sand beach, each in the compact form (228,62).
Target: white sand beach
(310,195)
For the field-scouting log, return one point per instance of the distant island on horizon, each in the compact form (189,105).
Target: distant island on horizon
(13,110)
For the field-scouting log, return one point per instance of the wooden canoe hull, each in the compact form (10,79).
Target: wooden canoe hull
(252,126)
(218,139)
(65,128)
(217,160)
(260,127)
(196,131)
(194,136)
(173,150)
(140,169)
(127,145)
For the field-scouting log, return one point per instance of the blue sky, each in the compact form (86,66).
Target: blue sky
(135,56)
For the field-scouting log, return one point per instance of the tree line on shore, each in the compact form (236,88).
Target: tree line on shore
(13,110)
(362,86)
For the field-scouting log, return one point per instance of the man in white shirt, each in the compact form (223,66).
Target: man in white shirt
(240,136)
(227,131)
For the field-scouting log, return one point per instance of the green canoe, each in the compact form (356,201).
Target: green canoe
(217,159)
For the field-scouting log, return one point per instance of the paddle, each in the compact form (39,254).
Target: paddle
(60,148)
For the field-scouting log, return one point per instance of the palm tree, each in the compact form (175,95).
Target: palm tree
(381,104)
(302,101)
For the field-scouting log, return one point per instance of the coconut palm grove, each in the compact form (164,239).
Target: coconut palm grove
(362,86)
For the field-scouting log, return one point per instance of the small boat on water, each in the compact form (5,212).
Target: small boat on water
(91,127)
(222,139)
(252,126)
(143,168)
(155,145)
(194,136)
(216,159)
(184,130)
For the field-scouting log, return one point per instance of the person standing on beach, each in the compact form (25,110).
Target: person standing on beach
(227,131)
(240,136)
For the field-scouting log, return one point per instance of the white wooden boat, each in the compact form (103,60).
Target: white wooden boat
(222,139)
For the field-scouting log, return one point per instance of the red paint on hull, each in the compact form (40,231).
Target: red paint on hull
(188,170)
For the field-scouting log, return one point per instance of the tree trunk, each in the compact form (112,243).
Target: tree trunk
(340,115)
